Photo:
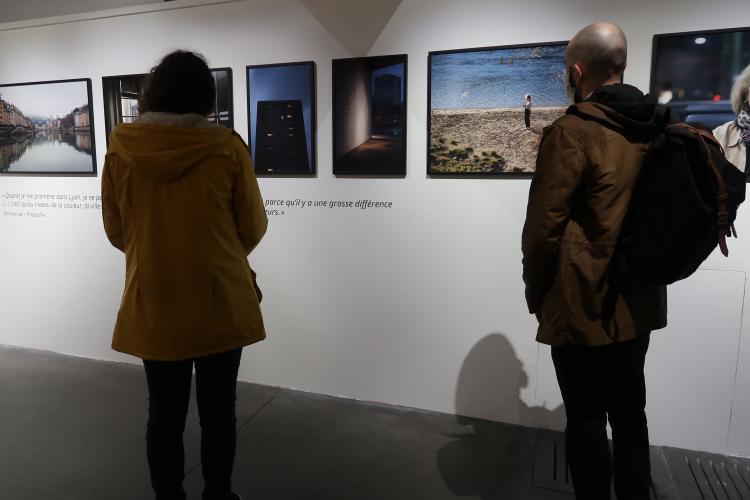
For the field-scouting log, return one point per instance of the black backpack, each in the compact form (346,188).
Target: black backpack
(683,206)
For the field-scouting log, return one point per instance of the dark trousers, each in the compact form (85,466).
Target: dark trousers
(598,383)
(527,117)
(169,396)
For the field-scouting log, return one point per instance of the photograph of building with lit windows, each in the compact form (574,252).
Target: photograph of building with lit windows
(46,128)
(281,114)
(369,116)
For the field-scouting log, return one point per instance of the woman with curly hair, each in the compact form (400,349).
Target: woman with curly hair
(734,136)
(180,199)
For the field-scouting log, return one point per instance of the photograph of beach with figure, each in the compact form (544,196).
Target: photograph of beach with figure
(489,106)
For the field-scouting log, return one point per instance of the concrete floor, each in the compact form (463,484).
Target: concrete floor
(73,429)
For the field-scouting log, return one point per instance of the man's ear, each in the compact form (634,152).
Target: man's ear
(575,76)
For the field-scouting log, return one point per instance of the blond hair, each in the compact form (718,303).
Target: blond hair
(739,91)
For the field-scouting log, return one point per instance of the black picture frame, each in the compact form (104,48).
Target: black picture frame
(430,58)
(264,168)
(680,107)
(112,118)
(88,147)
(347,168)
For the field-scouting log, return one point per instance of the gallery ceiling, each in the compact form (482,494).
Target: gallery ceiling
(34,9)
(357,24)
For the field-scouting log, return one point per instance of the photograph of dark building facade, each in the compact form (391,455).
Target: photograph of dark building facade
(387,103)
(121,94)
(369,116)
(281,143)
(47,128)
(281,114)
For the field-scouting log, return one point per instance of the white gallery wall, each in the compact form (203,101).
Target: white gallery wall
(419,305)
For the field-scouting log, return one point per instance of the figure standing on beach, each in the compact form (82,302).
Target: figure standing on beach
(527,110)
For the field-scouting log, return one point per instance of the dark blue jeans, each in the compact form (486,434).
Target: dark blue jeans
(600,383)
(169,396)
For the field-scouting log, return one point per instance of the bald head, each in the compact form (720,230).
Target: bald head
(600,51)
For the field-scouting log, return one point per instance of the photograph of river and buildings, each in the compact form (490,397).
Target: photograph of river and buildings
(46,128)
(121,95)
(369,116)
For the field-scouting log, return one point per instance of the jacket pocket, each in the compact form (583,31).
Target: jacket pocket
(584,272)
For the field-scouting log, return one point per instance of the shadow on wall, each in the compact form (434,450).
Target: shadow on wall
(488,391)
(490,383)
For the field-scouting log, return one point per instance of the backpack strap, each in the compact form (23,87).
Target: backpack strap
(662,116)
(723,225)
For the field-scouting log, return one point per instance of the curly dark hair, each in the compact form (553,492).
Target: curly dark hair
(181,83)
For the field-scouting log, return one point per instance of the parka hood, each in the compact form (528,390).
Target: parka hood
(163,146)
(623,108)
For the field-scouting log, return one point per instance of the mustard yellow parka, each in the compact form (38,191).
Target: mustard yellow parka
(183,204)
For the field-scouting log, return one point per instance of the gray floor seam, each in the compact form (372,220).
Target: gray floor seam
(270,400)
(239,428)
(194,468)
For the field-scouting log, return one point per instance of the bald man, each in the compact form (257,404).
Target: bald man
(597,324)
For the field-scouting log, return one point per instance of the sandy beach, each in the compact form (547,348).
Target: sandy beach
(487,140)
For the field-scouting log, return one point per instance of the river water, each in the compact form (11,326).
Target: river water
(499,78)
(67,152)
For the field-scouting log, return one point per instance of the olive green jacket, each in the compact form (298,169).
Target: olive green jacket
(587,167)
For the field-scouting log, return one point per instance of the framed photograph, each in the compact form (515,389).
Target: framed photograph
(47,128)
(281,118)
(693,72)
(487,107)
(121,94)
(369,116)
